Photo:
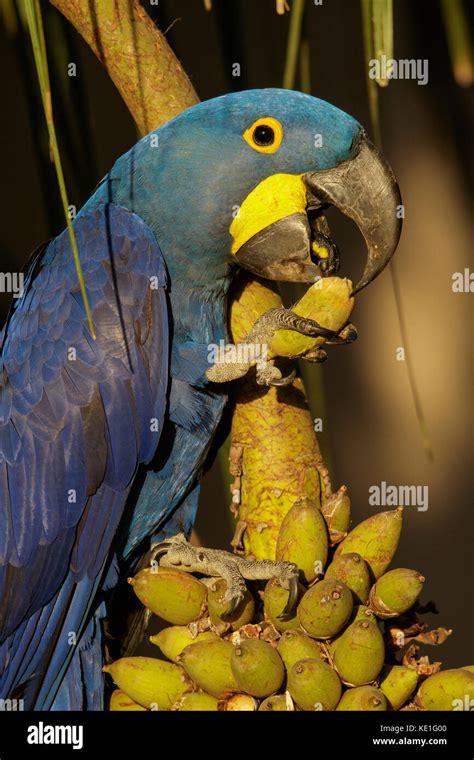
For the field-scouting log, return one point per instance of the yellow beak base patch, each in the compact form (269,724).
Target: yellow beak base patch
(275,198)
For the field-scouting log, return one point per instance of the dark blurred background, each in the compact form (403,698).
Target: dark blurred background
(371,433)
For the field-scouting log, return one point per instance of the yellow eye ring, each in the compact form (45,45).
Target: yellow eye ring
(265,135)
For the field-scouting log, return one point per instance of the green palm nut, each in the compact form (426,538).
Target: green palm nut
(277,703)
(152,683)
(336,511)
(375,539)
(360,612)
(296,645)
(447,690)
(257,668)
(398,683)
(197,701)
(314,685)
(303,539)
(171,641)
(208,664)
(354,572)
(325,609)
(359,653)
(395,592)
(174,596)
(365,698)
(218,607)
(275,599)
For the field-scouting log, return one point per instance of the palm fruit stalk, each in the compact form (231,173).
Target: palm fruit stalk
(274,456)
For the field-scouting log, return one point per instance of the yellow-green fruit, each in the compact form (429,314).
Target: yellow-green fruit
(447,690)
(303,539)
(359,653)
(257,667)
(470,668)
(325,609)
(197,701)
(395,592)
(363,698)
(237,703)
(354,572)
(277,703)
(177,597)
(171,641)
(217,607)
(398,683)
(119,702)
(360,612)
(208,664)
(337,513)
(329,302)
(375,539)
(314,685)
(296,645)
(154,684)
(275,599)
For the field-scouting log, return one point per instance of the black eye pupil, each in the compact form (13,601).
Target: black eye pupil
(263,135)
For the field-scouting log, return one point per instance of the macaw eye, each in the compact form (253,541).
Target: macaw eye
(265,135)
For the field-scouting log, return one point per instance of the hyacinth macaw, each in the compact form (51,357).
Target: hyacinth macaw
(102,441)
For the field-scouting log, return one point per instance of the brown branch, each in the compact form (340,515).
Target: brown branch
(136,55)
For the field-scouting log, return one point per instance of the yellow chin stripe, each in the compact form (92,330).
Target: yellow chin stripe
(274,198)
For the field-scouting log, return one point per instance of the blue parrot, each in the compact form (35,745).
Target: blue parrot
(102,442)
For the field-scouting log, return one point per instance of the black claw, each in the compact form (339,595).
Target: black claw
(231,608)
(347,335)
(160,550)
(311,328)
(283,381)
(292,599)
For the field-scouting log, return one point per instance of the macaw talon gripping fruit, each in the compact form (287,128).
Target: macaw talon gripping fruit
(180,554)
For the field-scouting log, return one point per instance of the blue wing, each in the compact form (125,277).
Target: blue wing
(77,417)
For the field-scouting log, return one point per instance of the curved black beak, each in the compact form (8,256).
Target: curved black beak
(364,188)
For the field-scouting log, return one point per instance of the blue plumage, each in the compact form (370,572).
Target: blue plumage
(79,419)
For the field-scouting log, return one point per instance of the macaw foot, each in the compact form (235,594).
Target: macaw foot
(267,373)
(180,554)
(348,334)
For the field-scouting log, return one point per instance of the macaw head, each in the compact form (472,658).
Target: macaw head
(244,177)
